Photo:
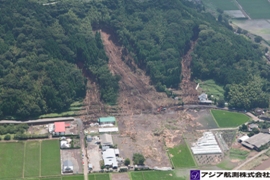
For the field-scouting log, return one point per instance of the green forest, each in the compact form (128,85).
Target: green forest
(42,46)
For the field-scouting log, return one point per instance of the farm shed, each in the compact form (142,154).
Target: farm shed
(206,145)
(106,130)
(106,140)
(252,126)
(110,158)
(257,141)
(203,98)
(59,128)
(243,138)
(64,144)
(51,128)
(116,151)
(106,120)
(89,138)
(67,166)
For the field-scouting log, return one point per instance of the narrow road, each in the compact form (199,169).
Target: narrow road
(254,117)
(82,137)
(247,161)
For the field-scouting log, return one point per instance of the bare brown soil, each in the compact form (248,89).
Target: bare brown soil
(151,134)
(136,95)
(188,87)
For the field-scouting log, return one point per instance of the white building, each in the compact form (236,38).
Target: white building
(206,145)
(51,128)
(110,158)
(67,166)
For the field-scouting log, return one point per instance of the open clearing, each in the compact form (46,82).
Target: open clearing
(222,4)
(181,156)
(238,154)
(50,158)
(11,156)
(155,175)
(260,27)
(146,134)
(211,88)
(229,119)
(203,118)
(258,9)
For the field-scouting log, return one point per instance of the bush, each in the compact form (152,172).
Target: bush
(258,39)
(0,138)
(127,162)
(7,137)
(138,159)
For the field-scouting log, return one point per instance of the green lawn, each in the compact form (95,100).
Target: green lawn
(181,156)
(50,158)
(32,159)
(229,119)
(155,175)
(211,88)
(238,154)
(222,4)
(256,9)
(63,114)
(81,177)
(99,177)
(11,160)
(51,178)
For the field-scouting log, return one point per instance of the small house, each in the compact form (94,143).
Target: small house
(90,167)
(110,158)
(106,120)
(60,128)
(203,98)
(67,166)
(252,126)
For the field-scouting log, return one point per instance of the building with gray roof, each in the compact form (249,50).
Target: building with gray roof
(257,141)
(67,166)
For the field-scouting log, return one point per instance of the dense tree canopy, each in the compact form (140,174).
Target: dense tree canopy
(41,45)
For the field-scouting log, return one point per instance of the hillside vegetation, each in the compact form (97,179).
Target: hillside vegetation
(40,47)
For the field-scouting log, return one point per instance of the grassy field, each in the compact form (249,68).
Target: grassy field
(238,154)
(32,159)
(181,156)
(99,177)
(50,158)
(229,119)
(11,156)
(73,177)
(155,175)
(211,88)
(222,4)
(256,9)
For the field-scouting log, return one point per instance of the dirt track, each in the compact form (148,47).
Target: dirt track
(136,95)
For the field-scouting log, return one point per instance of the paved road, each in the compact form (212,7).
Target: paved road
(38,120)
(82,137)
(255,118)
(247,161)
(218,129)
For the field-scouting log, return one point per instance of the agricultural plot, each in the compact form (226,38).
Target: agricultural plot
(99,177)
(181,156)
(73,177)
(238,154)
(50,158)
(229,119)
(32,159)
(259,9)
(155,175)
(11,155)
(222,4)
(211,88)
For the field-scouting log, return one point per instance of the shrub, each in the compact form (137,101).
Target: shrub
(127,162)
(138,159)
(7,137)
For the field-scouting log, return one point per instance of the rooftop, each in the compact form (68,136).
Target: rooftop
(104,130)
(59,127)
(109,158)
(244,138)
(67,163)
(106,139)
(206,145)
(107,119)
(259,140)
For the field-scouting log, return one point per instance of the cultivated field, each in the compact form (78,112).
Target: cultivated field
(258,9)
(229,119)
(222,4)
(155,175)
(12,157)
(50,158)
(29,159)
(99,177)
(181,156)
(211,88)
